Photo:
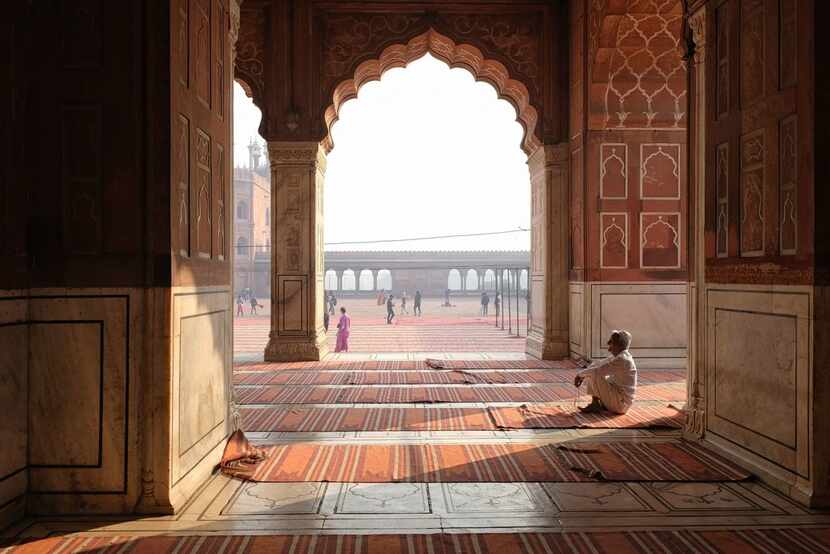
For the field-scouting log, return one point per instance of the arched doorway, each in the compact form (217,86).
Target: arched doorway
(301,166)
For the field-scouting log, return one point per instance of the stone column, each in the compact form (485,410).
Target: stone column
(297,175)
(339,275)
(374,279)
(696,403)
(548,279)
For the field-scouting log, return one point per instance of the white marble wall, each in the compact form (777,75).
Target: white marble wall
(68,366)
(654,313)
(200,386)
(13,386)
(758,379)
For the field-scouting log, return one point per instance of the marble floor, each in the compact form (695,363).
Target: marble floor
(227,506)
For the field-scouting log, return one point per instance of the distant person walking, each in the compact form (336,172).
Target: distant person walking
(332,302)
(497,304)
(326,320)
(485,303)
(381,298)
(416,308)
(403,304)
(390,310)
(254,305)
(343,328)
(240,303)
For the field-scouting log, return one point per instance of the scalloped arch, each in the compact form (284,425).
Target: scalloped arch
(455,55)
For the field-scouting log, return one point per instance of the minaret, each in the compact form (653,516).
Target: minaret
(254,152)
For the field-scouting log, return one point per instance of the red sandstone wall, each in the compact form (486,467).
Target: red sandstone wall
(628,142)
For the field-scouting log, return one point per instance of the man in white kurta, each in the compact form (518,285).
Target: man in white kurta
(611,382)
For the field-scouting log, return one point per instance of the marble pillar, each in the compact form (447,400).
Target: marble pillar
(548,279)
(297,175)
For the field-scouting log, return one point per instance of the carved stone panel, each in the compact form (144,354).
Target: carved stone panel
(788,46)
(577,210)
(613,171)
(722,84)
(181,149)
(613,246)
(200,43)
(82,174)
(81,45)
(660,240)
(752,194)
(788,195)
(220,192)
(722,205)
(181,41)
(203,200)
(660,171)
(753,56)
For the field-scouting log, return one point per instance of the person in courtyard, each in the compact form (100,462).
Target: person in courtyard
(403,303)
(343,328)
(254,305)
(485,303)
(332,302)
(390,310)
(611,382)
(497,304)
(416,307)
(326,320)
(240,303)
(447,298)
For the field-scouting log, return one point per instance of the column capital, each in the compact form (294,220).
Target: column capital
(282,153)
(550,154)
(697,25)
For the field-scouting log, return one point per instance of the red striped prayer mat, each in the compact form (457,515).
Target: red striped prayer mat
(494,463)
(311,394)
(556,417)
(320,420)
(412,365)
(793,540)
(439,377)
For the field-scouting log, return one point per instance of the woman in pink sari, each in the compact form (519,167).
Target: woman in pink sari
(343,332)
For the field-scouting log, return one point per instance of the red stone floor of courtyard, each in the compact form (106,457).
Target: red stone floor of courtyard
(459,328)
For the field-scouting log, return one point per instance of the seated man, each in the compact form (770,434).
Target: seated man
(612,381)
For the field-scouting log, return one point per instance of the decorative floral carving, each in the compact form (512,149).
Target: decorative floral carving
(466,56)
(639,67)
(722,189)
(752,194)
(250,56)
(789,185)
(352,38)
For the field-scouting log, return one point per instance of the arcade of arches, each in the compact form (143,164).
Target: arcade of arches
(672,155)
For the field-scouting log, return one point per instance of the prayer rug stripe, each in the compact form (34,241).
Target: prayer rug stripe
(320,420)
(369,394)
(408,365)
(495,463)
(744,541)
(430,377)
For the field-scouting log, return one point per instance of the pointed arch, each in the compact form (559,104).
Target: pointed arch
(455,55)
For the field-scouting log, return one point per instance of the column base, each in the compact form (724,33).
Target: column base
(548,348)
(296,349)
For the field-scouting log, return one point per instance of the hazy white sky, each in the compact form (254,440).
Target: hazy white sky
(426,151)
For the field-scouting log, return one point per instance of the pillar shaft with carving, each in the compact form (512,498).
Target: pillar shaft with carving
(297,175)
(548,281)
(696,406)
